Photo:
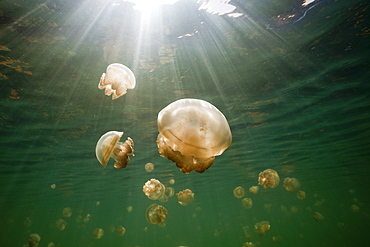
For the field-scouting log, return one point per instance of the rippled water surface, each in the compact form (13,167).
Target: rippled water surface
(295,94)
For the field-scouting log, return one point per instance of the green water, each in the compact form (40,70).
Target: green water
(296,98)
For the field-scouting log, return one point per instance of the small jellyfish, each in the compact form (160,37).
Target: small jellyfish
(254,189)
(117,79)
(262,227)
(87,218)
(109,146)
(355,208)
(301,194)
(33,240)
(268,179)
(120,230)
(156,214)
(247,202)
(318,216)
(191,133)
(249,244)
(67,212)
(169,191)
(61,224)
(291,184)
(98,233)
(149,167)
(53,186)
(239,192)
(129,209)
(185,197)
(153,189)
(171,181)
(51,244)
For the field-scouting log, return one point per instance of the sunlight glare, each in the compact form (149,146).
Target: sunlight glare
(148,5)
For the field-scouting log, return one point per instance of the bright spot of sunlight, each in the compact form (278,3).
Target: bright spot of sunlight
(148,5)
(217,7)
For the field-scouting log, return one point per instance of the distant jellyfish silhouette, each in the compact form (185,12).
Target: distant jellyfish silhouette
(291,184)
(117,79)
(109,146)
(191,133)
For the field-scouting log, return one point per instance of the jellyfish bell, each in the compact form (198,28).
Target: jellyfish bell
(117,79)
(268,178)
(156,214)
(109,146)
(191,133)
(291,184)
(154,189)
(185,197)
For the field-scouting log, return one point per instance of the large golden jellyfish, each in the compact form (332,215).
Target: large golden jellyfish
(156,214)
(291,184)
(117,79)
(268,179)
(109,146)
(154,189)
(185,197)
(191,133)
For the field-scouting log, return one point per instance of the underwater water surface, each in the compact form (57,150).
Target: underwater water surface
(292,81)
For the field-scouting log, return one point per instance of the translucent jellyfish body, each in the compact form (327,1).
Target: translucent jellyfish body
(117,79)
(291,184)
(154,189)
(156,214)
(33,240)
(185,197)
(149,167)
(247,202)
(268,179)
(239,192)
(254,189)
(98,233)
(109,146)
(191,133)
(262,227)
(120,230)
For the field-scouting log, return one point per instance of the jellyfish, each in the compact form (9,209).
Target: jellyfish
(191,133)
(301,194)
(291,184)
(268,179)
(154,189)
(33,240)
(249,244)
(98,233)
(109,146)
(149,167)
(318,216)
(239,192)
(247,202)
(117,79)
(156,214)
(254,189)
(120,230)
(67,212)
(61,224)
(262,227)
(185,197)
(169,191)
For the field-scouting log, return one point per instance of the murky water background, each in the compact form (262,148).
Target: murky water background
(296,98)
